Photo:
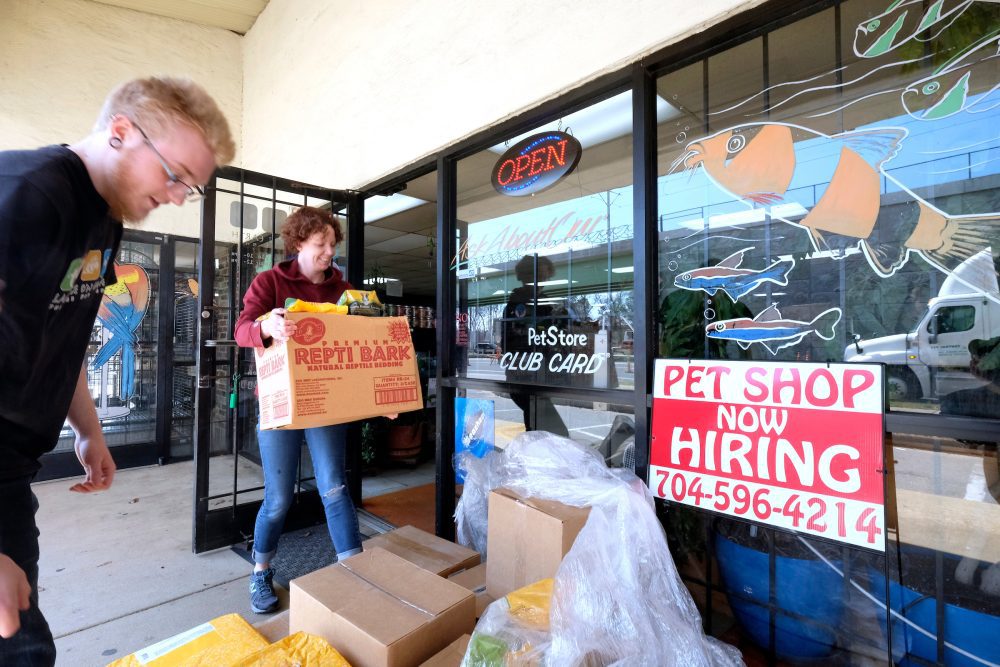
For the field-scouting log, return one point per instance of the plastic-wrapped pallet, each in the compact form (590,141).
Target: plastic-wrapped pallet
(617,598)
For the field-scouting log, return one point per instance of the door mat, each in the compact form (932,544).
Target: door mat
(309,549)
(410,507)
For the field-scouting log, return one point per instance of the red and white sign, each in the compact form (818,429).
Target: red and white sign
(462,332)
(792,445)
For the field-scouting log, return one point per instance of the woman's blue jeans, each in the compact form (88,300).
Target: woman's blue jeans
(279,455)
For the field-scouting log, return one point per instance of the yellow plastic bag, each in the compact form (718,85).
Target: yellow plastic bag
(360,302)
(301,649)
(531,604)
(300,306)
(221,641)
(514,630)
(364,297)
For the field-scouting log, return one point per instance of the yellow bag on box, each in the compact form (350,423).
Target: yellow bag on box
(360,302)
(222,641)
(301,649)
(531,604)
(300,306)
(514,630)
(364,297)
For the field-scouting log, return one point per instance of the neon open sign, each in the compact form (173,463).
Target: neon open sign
(536,163)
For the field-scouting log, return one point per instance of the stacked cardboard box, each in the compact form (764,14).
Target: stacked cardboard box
(380,610)
(527,539)
(273,627)
(451,655)
(425,550)
(474,579)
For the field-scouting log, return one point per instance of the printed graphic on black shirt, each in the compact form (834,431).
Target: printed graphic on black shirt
(84,279)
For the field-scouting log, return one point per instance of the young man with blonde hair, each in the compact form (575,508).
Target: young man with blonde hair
(157,141)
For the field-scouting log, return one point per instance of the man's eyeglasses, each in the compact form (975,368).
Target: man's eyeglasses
(194,192)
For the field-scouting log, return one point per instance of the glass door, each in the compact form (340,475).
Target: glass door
(128,359)
(240,237)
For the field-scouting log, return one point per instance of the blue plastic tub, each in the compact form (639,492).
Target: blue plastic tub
(973,631)
(806,587)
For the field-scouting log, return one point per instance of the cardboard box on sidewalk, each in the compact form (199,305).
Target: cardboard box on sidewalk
(526,539)
(474,579)
(337,369)
(452,654)
(425,550)
(274,627)
(380,610)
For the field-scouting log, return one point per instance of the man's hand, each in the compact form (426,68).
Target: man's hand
(93,454)
(91,450)
(14,594)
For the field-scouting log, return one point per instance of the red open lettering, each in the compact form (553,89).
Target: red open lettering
(560,156)
(522,163)
(536,161)
(500,177)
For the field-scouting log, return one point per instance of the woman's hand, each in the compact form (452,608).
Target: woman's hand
(277,326)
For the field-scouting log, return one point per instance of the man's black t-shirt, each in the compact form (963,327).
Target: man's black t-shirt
(57,246)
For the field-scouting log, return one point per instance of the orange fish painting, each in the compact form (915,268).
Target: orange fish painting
(767,164)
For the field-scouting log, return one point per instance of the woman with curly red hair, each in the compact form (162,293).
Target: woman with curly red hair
(313,235)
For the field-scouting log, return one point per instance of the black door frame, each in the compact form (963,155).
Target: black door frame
(214,528)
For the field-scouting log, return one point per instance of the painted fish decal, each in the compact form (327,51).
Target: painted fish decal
(726,276)
(902,21)
(772,331)
(759,162)
(947,91)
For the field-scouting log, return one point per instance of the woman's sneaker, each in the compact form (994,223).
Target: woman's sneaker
(262,597)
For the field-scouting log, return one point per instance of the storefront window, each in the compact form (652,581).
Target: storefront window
(825,201)
(830,191)
(545,255)
(486,420)
(121,358)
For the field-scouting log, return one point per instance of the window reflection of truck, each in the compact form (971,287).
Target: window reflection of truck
(933,359)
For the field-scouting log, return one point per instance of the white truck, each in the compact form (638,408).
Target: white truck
(933,359)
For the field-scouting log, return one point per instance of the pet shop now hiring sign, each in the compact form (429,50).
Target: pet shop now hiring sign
(792,445)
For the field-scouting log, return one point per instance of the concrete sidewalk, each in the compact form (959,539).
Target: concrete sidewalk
(117,572)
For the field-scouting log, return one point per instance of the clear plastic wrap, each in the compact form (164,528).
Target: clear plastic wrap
(514,630)
(617,597)
(482,475)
